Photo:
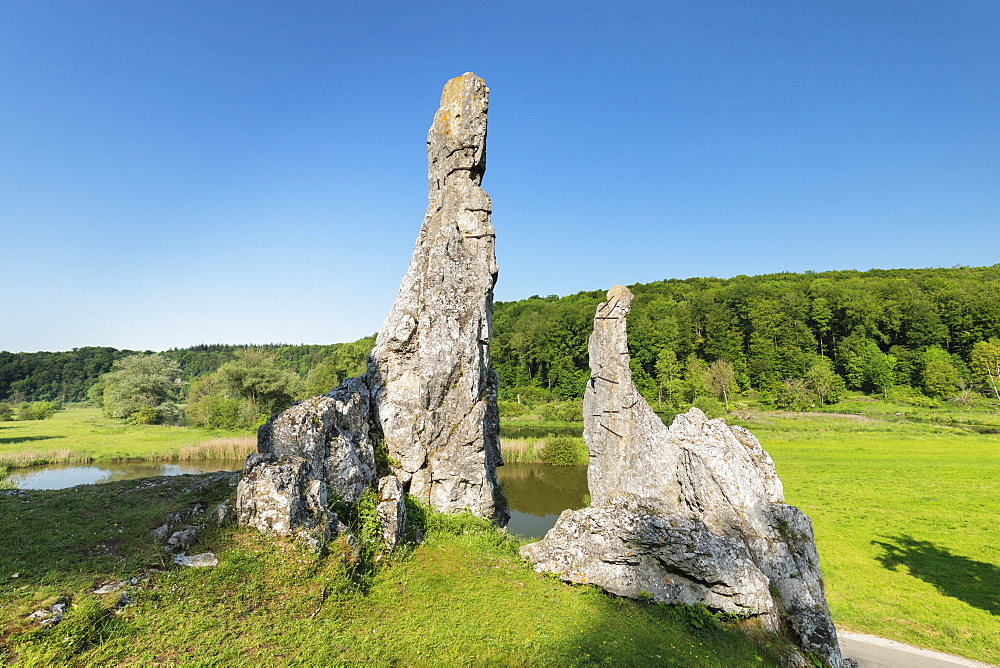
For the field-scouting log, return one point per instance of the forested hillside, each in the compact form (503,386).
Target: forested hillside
(66,376)
(877,329)
(936,330)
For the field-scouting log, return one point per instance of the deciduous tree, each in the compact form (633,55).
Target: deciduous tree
(985,364)
(142,388)
(720,380)
(824,382)
(939,376)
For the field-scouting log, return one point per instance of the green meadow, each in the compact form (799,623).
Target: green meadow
(85,435)
(906,520)
(905,516)
(462,597)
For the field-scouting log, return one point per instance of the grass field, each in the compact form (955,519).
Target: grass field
(84,434)
(907,522)
(906,514)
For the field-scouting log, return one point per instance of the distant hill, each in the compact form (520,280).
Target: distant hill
(769,328)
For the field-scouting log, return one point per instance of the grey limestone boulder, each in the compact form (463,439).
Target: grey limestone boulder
(633,546)
(180,541)
(690,513)
(284,496)
(391,510)
(333,434)
(203,560)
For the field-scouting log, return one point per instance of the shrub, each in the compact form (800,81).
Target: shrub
(794,394)
(242,393)
(36,410)
(6,412)
(528,394)
(907,395)
(563,411)
(710,406)
(563,451)
(145,415)
(511,409)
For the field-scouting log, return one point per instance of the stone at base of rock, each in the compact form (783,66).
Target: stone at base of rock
(203,560)
(180,541)
(391,510)
(223,513)
(282,496)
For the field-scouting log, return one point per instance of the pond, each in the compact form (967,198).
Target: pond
(60,476)
(537,493)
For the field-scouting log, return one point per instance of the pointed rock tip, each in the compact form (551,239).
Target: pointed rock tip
(456,142)
(696,414)
(617,304)
(460,87)
(619,292)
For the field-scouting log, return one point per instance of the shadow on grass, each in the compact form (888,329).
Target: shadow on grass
(22,439)
(974,582)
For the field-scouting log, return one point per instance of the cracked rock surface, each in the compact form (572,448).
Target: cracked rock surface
(690,513)
(430,374)
(427,402)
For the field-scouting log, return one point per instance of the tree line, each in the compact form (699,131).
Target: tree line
(934,330)
(66,376)
(793,339)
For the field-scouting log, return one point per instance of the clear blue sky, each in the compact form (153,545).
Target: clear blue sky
(178,172)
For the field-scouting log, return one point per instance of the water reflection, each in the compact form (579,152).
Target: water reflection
(60,476)
(537,493)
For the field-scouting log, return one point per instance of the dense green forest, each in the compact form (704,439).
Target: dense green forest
(878,328)
(933,330)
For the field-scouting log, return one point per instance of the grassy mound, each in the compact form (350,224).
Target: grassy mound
(464,596)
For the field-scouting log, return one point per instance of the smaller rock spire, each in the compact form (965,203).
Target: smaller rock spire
(690,513)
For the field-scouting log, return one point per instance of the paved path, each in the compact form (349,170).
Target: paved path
(875,652)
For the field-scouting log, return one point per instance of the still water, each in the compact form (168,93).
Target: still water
(537,493)
(60,476)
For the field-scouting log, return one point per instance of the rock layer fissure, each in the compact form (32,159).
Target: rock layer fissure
(427,403)
(690,513)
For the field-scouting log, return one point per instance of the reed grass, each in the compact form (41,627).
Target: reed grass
(16,460)
(533,450)
(516,450)
(227,447)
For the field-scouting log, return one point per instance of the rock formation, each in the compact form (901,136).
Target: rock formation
(423,419)
(434,390)
(691,513)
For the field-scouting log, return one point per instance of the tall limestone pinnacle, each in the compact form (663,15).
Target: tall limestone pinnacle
(423,419)
(690,513)
(434,390)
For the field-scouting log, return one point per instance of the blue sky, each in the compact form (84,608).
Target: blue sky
(176,173)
